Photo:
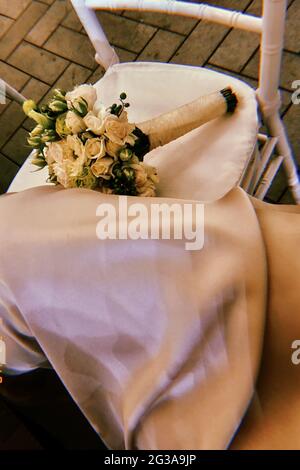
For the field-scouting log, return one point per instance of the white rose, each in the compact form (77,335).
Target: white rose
(94,123)
(75,144)
(65,173)
(74,122)
(61,174)
(117,129)
(87,92)
(53,153)
(56,152)
(95,148)
(102,167)
(112,148)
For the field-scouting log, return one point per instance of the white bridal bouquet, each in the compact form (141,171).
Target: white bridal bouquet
(86,145)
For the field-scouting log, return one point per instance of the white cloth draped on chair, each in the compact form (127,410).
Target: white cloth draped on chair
(158,346)
(214,157)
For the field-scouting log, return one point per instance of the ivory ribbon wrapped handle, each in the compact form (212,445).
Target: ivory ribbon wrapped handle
(174,124)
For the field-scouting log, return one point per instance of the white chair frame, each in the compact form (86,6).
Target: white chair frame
(270,27)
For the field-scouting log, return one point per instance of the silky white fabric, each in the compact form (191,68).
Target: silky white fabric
(212,157)
(159,346)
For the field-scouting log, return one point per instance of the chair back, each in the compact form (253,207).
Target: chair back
(270,28)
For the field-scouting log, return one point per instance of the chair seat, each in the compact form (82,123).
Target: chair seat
(205,163)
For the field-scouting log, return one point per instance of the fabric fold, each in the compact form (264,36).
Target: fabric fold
(159,346)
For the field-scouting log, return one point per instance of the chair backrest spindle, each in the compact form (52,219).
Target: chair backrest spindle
(234,19)
(271,36)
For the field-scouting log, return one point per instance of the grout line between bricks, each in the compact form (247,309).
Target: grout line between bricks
(62,57)
(148,42)
(250,58)
(9,18)
(206,61)
(146,23)
(10,159)
(32,76)
(283,194)
(61,25)
(185,39)
(225,36)
(23,39)
(287,109)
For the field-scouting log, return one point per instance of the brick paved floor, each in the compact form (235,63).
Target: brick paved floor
(43,46)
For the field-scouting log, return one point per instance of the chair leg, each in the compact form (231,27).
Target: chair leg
(277,129)
(105,53)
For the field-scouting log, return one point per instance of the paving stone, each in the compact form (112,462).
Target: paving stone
(13,76)
(35,89)
(73,46)
(4,106)
(48,23)
(230,4)
(287,198)
(99,72)
(13,8)
(285,101)
(72,21)
(125,56)
(239,45)
(161,47)
(200,44)
(8,171)
(292,29)
(124,32)
(278,187)
(250,81)
(10,120)
(290,69)
(255,8)
(5,23)
(177,24)
(17,148)
(20,28)
(235,50)
(38,62)
(252,68)
(291,121)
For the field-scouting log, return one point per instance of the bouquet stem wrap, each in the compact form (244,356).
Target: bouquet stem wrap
(174,124)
